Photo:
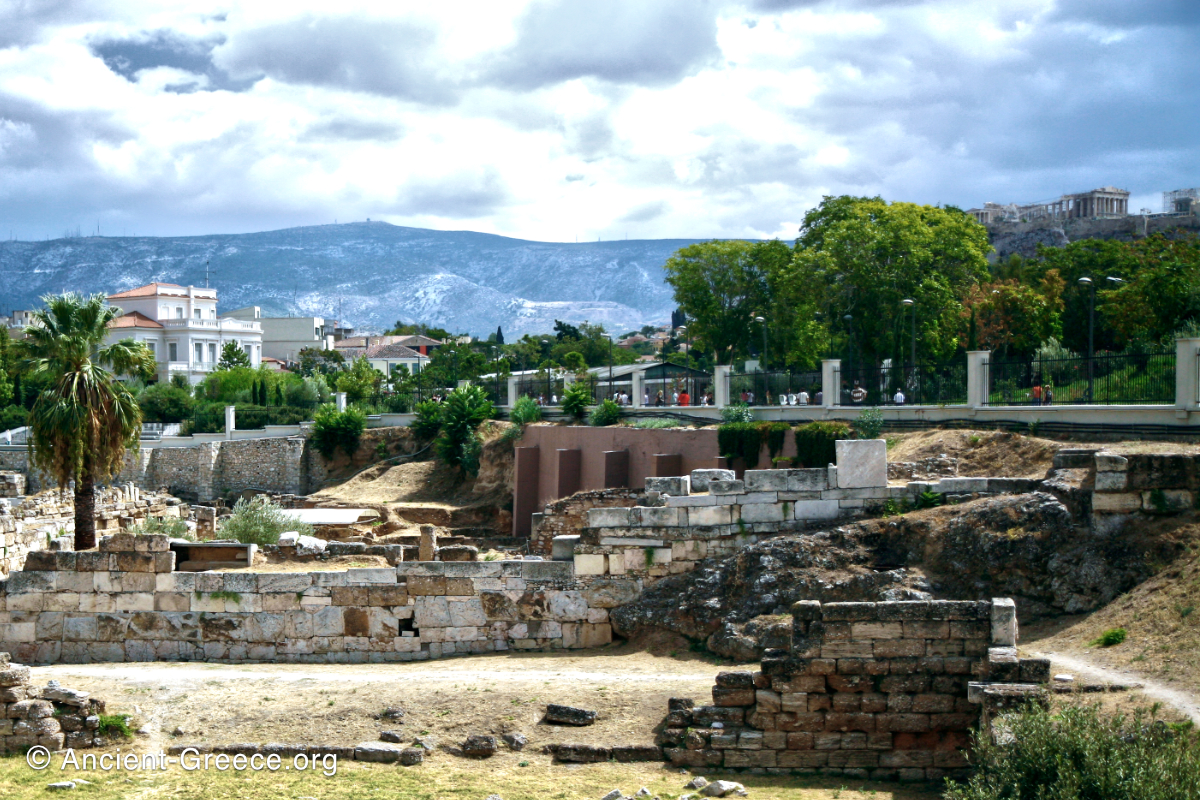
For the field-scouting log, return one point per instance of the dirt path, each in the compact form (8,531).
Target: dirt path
(1184,702)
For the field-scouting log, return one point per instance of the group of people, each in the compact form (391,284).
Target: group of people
(800,398)
(1041,395)
(675,397)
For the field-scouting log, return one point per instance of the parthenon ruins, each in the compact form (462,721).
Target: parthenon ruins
(1105,202)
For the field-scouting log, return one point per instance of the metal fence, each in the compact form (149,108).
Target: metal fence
(662,385)
(495,387)
(774,388)
(1106,379)
(920,385)
(546,388)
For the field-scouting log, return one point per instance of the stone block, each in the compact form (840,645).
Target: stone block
(660,517)
(30,583)
(861,463)
(762,513)
(1004,622)
(1111,481)
(726,487)
(815,509)
(674,487)
(876,630)
(1117,503)
(807,480)
(589,564)
(766,480)
(707,515)
(608,518)
(377,575)
(283,581)
(434,585)
(702,478)
(546,570)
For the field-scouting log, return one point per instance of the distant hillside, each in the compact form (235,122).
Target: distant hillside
(1022,238)
(369,274)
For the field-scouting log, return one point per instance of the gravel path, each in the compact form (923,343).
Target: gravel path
(1184,702)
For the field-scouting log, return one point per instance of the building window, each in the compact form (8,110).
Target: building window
(196,312)
(199,354)
(212,353)
(153,348)
(178,312)
(249,350)
(172,352)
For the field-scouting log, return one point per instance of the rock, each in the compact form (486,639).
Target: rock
(479,746)
(493,797)
(392,713)
(377,752)
(61,786)
(177,732)
(615,794)
(288,539)
(69,697)
(390,736)
(411,756)
(309,546)
(515,741)
(721,789)
(144,730)
(425,743)
(581,753)
(1064,678)
(567,715)
(642,792)
(698,782)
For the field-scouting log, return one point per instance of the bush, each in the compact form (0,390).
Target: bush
(738,412)
(429,419)
(458,444)
(13,417)
(259,521)
(869,424)
(740,440)
(657,422)
(815,443)
(307,393)
(333,429)
(1110,638)
(174,527)
(1078,755)
(607,413)
(525,411)
(164,402)
(774,434)
(576,400)
(210,417)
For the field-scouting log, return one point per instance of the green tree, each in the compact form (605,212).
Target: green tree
(463,411)
(861,256)
(232,355)
(721,287)
(574,362)
(165,402)
(401,328)
(313,361)
(361,382)
(1013,318)
(84,422)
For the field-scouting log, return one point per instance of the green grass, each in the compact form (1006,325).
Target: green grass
(1110,638)
(115,725)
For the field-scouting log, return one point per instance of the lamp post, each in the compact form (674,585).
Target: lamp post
(762,359)
(912,378)
(610,362)
(1091,334)
(687,361)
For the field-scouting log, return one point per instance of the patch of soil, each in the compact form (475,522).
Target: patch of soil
(980,453)
(276,563)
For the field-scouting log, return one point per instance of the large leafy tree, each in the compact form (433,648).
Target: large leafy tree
(1012,318)
(232,355)
(720,286)
(82,424)
(861,256)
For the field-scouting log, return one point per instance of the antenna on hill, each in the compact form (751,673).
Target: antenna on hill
(206,274)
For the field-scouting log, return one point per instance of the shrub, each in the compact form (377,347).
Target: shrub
(259,521)
(1110,638)
(740,440)
(869,424)
(576,400)
(13,417)
(815,446)
(458,444)
(307,393)
(512,433)
(657,422)
(333,429)
(525,411)
(738,412)
(1077,754)
(429,419)
(115,724)
(607,413)
(174,527)
(774,434)
(164,402)
(210,417)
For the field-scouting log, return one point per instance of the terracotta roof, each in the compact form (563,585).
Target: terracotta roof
(134,320)
(392,351)
(351,342)
(149,290)
(417,340)
(274,360)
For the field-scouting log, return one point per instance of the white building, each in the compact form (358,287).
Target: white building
(180,325)
(284,337)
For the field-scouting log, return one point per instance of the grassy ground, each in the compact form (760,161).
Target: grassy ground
(440,778)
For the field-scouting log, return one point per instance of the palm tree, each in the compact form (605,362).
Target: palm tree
(84,421)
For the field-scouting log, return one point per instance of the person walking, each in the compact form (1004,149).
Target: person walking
(802,398)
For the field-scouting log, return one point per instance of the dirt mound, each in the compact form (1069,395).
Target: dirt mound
(1161,616)
(979,453)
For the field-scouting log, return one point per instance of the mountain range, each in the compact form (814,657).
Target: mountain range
(368,275)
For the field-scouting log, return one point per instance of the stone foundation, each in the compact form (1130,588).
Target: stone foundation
(51,717)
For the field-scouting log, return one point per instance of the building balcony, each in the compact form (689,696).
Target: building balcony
(212,325)
(191,366)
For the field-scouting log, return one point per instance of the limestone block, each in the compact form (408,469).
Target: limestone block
(766,480)
(60,601)
(701,478)
(960,485)
(568,606)
(861,463)
(1004,622)
(608,518)
(616,563)
(30,582)
(762,513)
(135,601)
(138,582)
(177,601)
(371,575)
(1111,481)
(710,515)
(758,498)
(661,555)
(660,517)
(74,582)
(239,582)
(815,509)
(807,480)
(328,622)
(727,487)
(285,581)
(1170,501)
(1122,503)
(692,501)
(675,487)
(97,602)
(432,612)
(1111,462)
(589,564)
(466,612)
(16,632)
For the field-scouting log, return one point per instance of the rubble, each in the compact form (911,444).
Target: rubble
(567,715)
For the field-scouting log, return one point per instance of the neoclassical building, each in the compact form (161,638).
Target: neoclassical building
(181,326)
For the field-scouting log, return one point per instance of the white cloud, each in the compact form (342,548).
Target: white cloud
(555,118)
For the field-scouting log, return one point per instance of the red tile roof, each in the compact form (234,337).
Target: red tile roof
(134,320)
(149,290)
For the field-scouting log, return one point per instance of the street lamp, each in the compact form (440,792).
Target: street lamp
(687,360)
(912,306)
(762,359)
(1091,333)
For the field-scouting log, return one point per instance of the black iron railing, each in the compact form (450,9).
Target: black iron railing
(920,385)
(1106,379)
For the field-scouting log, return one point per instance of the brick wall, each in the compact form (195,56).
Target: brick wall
(875,691)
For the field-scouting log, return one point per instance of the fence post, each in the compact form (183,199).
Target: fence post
(512,391)
(721,385)
(230,421)
(977,378)
(1187,381)
(831,393)
(637,382)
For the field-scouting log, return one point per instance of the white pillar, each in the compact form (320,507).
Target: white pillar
(831,377)
(637,385)
(230,421)
(340,399)
(512,392)
(977,377)
(1187,381)
(721,386)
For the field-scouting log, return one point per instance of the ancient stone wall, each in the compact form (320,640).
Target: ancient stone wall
(52,717)
(212,469)
(875,691)
(569,516)
(125,603)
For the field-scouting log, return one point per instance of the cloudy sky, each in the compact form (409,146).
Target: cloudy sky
(557,119)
